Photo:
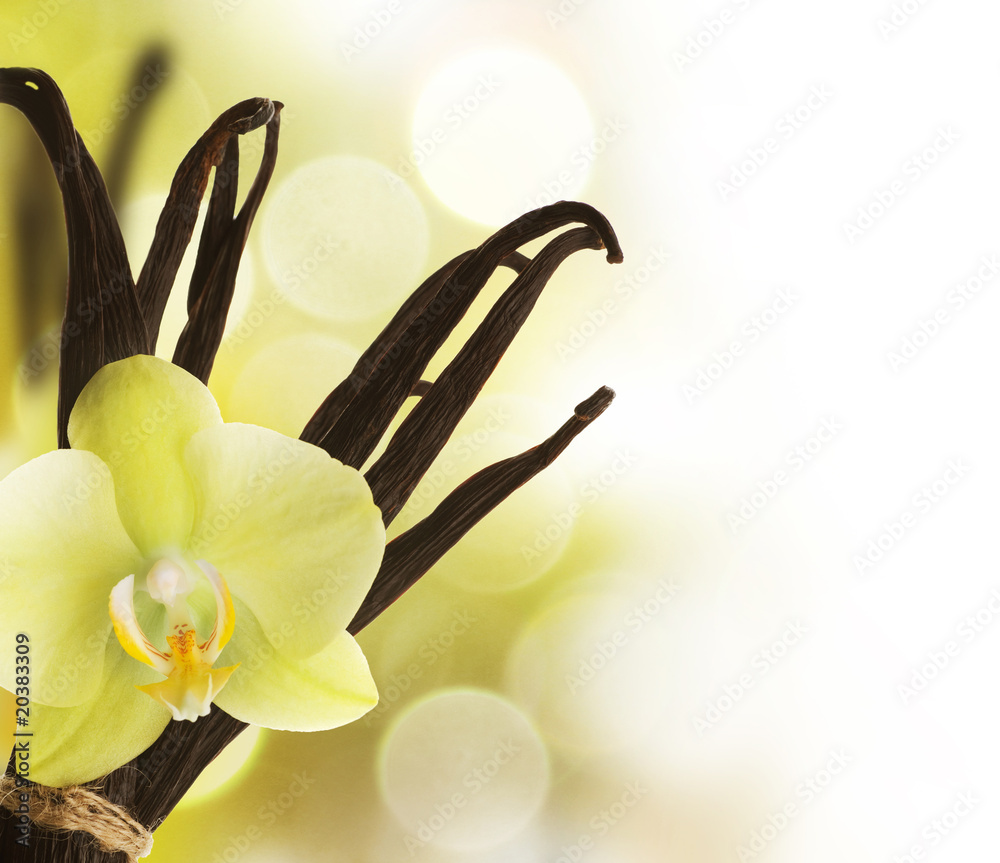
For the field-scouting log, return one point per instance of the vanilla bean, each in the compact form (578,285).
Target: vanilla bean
(102,322)
(424,433)
(152,784)
(180,212)
(219,255)
(333,406)
(386,343)
(109,318)
(37,246)
(218,219)
(413,553)
(362,423)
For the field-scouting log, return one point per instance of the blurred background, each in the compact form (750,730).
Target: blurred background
(749,614)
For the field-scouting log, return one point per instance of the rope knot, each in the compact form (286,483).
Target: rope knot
(79,808)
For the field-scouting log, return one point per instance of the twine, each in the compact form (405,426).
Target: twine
(79,808)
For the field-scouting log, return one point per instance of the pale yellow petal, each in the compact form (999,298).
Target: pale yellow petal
(71,745)
(273,690)
(138,415)
(294,533)
(62,549)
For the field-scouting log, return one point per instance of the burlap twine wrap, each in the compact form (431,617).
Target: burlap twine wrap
(79,808)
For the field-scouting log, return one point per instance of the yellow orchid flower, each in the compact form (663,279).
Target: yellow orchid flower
(166,542)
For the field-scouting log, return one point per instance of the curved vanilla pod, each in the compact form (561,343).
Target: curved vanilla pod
(103,322)
(414,552)
(361,425)
(426,430)
(180,212)
(223,239)
(387,344)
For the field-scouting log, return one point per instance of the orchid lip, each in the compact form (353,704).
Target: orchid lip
(191,682)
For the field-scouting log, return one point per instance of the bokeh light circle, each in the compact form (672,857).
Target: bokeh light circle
(283,384)
(498,133)
(345,238)
(594,671)
(463,770)
(109,96)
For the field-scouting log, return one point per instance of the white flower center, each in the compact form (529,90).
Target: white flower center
(191,682)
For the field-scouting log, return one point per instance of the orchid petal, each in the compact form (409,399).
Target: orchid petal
(138,415)
(294,533)
(225,614)
(189,696)
(327,690)
(63,549)
(133,640)
(71,745)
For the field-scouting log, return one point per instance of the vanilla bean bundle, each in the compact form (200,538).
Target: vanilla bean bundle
(110,317)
